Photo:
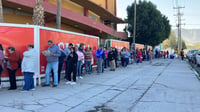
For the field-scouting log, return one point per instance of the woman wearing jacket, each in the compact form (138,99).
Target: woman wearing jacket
(73,59)
(12,66)
(139,56)
(29,67)
(1,61)
(80,61)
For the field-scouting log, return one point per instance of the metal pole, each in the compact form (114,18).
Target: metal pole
(134,30)
(58,17)
(134,22)
(1,12)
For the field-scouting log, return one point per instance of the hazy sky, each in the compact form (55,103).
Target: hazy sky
(191,14)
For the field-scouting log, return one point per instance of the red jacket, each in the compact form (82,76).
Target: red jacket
(13,59)
(139,54)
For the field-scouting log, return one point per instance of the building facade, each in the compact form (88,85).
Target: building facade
(93,17)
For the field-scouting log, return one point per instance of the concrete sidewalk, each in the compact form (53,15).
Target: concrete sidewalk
(164,86)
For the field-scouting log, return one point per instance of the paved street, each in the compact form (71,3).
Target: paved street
(164,86)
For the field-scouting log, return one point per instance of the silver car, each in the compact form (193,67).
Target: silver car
(190,53)
(198,58)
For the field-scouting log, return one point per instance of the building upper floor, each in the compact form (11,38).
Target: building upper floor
(91,16)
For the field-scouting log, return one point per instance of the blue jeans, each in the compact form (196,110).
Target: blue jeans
(87,66)
(50,66)
(28,79)
(126,61)
(79,65)
(99,65)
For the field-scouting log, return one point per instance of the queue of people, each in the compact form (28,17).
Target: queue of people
(74,58)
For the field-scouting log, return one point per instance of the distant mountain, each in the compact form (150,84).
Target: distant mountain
(191,36)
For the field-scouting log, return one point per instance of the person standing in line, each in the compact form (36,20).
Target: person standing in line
(139,56)
(182,54)
(92,60)
(125,54)
(111,57)
(151,55)
(164,54)
(157,54)
(52,63)
(73,60)
(123,57)
(116,57)
(106,57)
(29,68)
(167,54)
(1,62)
(99,55)
(12,58)
(88,59)
(80,61)
(67,52)
(143,54)
(60,65)
(81,48)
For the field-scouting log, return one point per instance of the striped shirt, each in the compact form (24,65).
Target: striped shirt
(88,55)
(1,55)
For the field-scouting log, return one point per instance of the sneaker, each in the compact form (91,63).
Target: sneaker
(33,89)
(12,88)
(45,85)
(73,83)
(54,85)
(23,91)
(81,77)
(68,82)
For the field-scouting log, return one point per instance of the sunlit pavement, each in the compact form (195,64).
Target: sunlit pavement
(163,86)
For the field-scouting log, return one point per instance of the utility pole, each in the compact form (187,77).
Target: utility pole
(134,27)
(58,16)
(179,15)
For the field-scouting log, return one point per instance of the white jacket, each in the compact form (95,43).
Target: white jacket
(29,61)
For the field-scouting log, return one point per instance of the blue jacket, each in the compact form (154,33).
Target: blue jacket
(99,53)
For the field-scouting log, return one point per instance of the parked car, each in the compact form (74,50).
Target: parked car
(190,53)
(193,57)
(198,58)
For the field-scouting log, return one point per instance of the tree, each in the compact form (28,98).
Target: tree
(171,42)
(1,12)
(58,16)
(38,13)
(184,46)
(152,27)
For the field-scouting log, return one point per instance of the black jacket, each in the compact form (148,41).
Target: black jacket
(74,59)
(111,55)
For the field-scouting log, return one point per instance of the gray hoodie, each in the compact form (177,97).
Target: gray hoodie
(56,53)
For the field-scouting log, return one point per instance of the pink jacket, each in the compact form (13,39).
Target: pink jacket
(80,56)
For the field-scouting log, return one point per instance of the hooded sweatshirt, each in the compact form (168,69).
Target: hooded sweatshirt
(56,53)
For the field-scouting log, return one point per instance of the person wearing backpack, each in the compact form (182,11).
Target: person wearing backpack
(12,65)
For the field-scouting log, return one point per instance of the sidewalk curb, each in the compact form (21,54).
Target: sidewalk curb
(196,74)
